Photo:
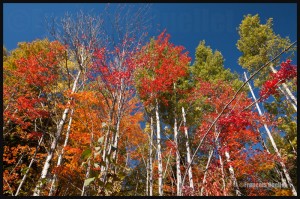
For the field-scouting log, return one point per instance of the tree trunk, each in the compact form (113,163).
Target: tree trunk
(206,169)
(283,181)
(233,178)
(119,117)
(287,175)
(287,97)
(223,175)
(106,144)
(60,157)
(85,188)
(160,169)
(147,179)
(188,150)
(54,143)
(150,157)
(29,166)
(178,173)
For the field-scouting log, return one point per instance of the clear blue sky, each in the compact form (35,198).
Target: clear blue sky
(187,23)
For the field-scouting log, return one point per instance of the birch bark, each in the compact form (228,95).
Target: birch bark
(188,150)
(54,143)
(160,169)
(287,175)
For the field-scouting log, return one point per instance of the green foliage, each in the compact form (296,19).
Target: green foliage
(86,154)
(258,44)
(209,66)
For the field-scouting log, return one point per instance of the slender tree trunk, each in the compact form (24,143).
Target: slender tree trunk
(150,157)
(206,169)
(29,166)
(288,98)
(107,145)
(119,112)
(287,92)
(294,150)
(178,173)
(160,169)
(84,188)
(233,178)
(166,168)
(147,179)
(188,150)
(60,157)
(283,181)
(287,175)
(54,143)
(209,160)
(223,175)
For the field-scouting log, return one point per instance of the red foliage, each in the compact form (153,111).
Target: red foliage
(286,72)
(163,64)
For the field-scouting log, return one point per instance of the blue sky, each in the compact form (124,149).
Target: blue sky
(188,23)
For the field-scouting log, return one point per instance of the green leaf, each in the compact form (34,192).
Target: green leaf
(88,181)
(86,154)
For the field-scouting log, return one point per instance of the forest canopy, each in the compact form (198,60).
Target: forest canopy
(96,112)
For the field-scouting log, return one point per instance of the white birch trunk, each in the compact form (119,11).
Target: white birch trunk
(116,138)
(54,143)
(206,168)
(178,173)
(287,175)
(287,97)
(160,169)
(150,158)
(84,188)
(60,157)
(106,145)
(29,166)
(188,150)
(233,178)
(223,174)
(147,180)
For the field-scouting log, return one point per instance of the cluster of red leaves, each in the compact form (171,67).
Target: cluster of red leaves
(34,135)
(162,63)
(286,72)
(171,146)
(236,120)
(187,191)
(33,73)
(41,69)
